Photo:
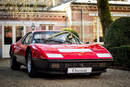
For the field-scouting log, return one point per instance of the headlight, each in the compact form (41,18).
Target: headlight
(103,55)
(54,55)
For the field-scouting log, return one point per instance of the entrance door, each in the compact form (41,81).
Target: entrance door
(11,34)
(6,40)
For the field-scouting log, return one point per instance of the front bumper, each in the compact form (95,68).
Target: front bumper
(61,66)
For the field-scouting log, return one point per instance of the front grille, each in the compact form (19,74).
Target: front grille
(66,65)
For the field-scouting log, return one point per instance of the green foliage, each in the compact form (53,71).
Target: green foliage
(117,40)
(70,30)
(121,55)
(118,33)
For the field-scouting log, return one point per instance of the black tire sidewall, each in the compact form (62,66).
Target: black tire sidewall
(32,71)
(13,63)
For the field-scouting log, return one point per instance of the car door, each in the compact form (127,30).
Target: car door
(22,47)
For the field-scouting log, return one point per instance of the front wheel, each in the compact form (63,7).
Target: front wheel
(14,64)
(30,67)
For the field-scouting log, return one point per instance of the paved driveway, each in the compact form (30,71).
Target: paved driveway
(112,78)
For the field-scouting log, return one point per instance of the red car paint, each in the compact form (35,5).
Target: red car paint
(43,49)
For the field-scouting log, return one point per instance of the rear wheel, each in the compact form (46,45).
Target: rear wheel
(13,63)
(30,67)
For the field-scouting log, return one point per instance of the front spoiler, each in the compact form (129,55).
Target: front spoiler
(43,65)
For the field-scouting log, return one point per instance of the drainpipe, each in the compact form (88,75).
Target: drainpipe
(98,36)
(82,25)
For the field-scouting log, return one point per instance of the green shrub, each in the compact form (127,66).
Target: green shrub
(118,33)
(117,40)
(70,30)
(121,55)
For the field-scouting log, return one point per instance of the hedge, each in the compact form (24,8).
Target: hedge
(118,33)
(121,55)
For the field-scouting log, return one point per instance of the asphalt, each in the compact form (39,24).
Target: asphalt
(10,78)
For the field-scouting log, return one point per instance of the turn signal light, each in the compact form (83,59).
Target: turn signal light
(55,65)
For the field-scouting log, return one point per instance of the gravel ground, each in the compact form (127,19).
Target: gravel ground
(10,78)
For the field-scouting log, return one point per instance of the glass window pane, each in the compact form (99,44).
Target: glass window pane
(28,39)
(43,27)
(50,27)
(19,32)
(8,35)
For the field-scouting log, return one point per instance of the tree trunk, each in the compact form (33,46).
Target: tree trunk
(104,14)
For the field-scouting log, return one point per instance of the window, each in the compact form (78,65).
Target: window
(50,27)
(7,35)
(63,38)
(43,27)
(27,39)
(19,32)
(39,37)
(46,27)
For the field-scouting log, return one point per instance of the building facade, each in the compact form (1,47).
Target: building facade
(18,18)
(81,15)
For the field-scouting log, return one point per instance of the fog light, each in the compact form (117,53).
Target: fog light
(55,65)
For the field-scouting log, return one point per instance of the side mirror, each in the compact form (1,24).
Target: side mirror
(87,42)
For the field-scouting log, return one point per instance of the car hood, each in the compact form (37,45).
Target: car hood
(73,51)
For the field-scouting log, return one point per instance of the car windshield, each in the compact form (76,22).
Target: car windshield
(61,38)
(40,37)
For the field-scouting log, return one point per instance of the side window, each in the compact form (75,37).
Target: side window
(28,39)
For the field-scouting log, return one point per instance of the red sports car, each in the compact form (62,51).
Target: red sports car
(58,52)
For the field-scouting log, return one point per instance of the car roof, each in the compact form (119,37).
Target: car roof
(46,31)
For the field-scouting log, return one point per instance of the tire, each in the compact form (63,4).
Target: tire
(30,68)
(14,65)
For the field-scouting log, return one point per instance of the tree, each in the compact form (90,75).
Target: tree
(104,14)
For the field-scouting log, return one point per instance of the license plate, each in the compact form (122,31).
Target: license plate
(80,70)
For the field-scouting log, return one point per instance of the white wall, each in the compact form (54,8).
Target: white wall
(128,0)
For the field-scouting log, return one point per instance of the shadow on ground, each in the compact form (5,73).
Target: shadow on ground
(58,76)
